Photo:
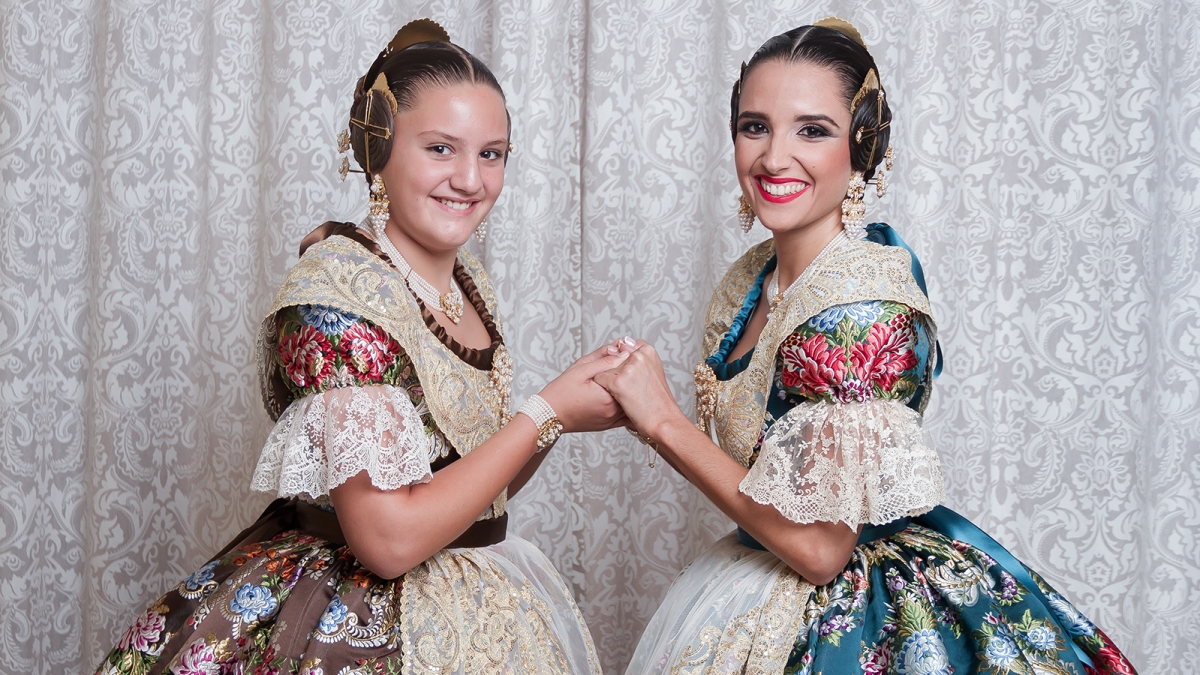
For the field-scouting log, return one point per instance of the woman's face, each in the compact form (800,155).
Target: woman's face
(792,148)
(447,164)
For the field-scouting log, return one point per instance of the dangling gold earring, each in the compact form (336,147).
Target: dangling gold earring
(378,207)
(481,231)
(853,209)
(745,214)
(881,182)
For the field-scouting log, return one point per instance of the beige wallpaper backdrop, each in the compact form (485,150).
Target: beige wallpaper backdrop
(160,160)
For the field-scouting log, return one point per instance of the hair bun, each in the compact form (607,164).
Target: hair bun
(870,132)
(371,126)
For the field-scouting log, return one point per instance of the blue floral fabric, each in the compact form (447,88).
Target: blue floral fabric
(253,610)
(917,601)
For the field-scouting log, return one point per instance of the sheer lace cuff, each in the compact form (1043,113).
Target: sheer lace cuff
(847,462)
(322,440)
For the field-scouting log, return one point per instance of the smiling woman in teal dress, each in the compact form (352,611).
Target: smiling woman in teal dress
(820,352)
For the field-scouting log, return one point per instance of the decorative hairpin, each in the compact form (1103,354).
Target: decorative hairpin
(419,30)
(842,26)
(343,140)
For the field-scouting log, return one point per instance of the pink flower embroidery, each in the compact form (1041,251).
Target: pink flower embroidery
(877,661)
(307,356)
(198,659)
(144,632)
(812,366)
(883,356)
(368,351)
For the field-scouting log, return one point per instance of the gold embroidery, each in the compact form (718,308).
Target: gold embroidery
(468,405)
(460,613)
(856,271)
(731,293)
(501,381)
(757,642)
(706,395)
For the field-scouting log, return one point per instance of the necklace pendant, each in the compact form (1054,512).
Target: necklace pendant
(772,303)
(451,305)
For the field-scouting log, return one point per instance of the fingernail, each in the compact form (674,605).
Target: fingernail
(629,341)
(613,350)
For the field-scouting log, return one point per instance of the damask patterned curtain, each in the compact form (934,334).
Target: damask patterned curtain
(161,159)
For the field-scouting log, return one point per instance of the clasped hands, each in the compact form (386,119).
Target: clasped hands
(620,384)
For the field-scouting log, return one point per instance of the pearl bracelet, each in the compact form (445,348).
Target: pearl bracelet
(549,426)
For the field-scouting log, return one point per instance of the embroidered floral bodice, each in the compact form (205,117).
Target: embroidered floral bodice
(321,348)
(354,403)
(838,442)
(357,406)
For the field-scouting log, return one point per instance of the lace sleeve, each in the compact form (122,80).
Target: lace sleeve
(854,463)
(324,439)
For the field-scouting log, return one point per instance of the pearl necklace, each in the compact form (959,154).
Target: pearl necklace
(775,297)
(450,304)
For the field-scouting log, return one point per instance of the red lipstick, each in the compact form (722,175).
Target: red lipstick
(782,199)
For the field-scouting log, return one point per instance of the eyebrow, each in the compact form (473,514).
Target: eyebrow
(458,141)
(759,117)
(817,118)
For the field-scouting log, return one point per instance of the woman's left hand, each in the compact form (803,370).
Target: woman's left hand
(639,385)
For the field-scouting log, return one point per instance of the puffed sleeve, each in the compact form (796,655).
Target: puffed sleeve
(352,412)
(849,450)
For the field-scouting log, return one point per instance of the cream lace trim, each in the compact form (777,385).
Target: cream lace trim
(323,440)
(757,642)
(462,612)
(847,462)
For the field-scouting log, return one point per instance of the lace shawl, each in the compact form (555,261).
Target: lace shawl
(855,463)
(324,439)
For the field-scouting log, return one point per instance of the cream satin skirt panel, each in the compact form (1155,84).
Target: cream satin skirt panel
(732,610)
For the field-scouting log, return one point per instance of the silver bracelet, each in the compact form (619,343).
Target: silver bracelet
(549,426)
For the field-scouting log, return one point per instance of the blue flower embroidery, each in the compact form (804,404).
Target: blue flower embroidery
(1001,651)
(865,313)
(1042,638)
(1069,617)
(202,576)
(253,602)
(327,319)
(862,313)
(828,319)
(923,654)
(334,615)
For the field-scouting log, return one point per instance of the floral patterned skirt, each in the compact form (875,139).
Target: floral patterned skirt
(912,602)
(293,602)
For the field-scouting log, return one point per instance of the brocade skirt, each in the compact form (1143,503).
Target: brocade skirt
(914,599)
(288,597)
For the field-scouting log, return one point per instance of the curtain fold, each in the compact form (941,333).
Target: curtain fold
(161,159)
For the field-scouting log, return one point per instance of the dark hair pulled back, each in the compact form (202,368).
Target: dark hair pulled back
(871,120)
(408,71)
